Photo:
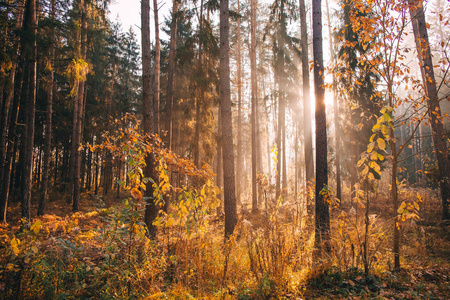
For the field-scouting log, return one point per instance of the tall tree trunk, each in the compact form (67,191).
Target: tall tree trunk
(30,26)
(48,120)
(12,144)
(322,221)
(171,74)
(278,143)
(151,211)
(96,173)
(219,171)
(253,5)
(157,67)
(199,94)
(239,158)
(78,113)
(336,111)
(307,123)
(227,126)
(6,104)
(426,68)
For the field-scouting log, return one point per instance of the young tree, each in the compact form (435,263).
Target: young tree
(227,126)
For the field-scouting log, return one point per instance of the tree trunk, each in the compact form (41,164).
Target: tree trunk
(322,221)
(219,171)
(227,126)
(336,111)
(151,211)
(199,94)
(78,113)
(12,145)
(30,26)
(253,6)
(171,74)
(307,124)
(48,121)
(6,105)
(426,68)
(239,158)
(157,67)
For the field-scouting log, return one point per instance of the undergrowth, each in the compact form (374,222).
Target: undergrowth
(105,253)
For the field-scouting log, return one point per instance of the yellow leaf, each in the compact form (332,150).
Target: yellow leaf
(15,246)
(36,227)
(381,144)
(34,249)
(170,222)
(374,155)
(370,147)
(365,171)
(136,194)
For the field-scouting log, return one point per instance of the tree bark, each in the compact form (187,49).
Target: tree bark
(151,211)
(30,26)
(239,158)
(157,67)
(78,113)
(426,68)
(199,94)
(322,220)
(227,128)
(253,5)
(336,111)
(307,123)
(48,121)
(171,74)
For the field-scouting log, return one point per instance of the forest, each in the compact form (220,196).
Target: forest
(223,149)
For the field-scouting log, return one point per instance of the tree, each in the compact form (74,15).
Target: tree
(79,104)
(336,110)
(30,26)
(227,127)
(426,67)
(239,158)
(157,67)
(254,102)
(151,210)
(10,115)
(171,74)
(322,221)
(307,128)
(48,117)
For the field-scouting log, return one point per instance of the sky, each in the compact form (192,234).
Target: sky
(128,12)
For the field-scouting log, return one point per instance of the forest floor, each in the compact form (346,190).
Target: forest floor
(425,258)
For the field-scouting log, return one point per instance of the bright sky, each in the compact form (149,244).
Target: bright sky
(128,12)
